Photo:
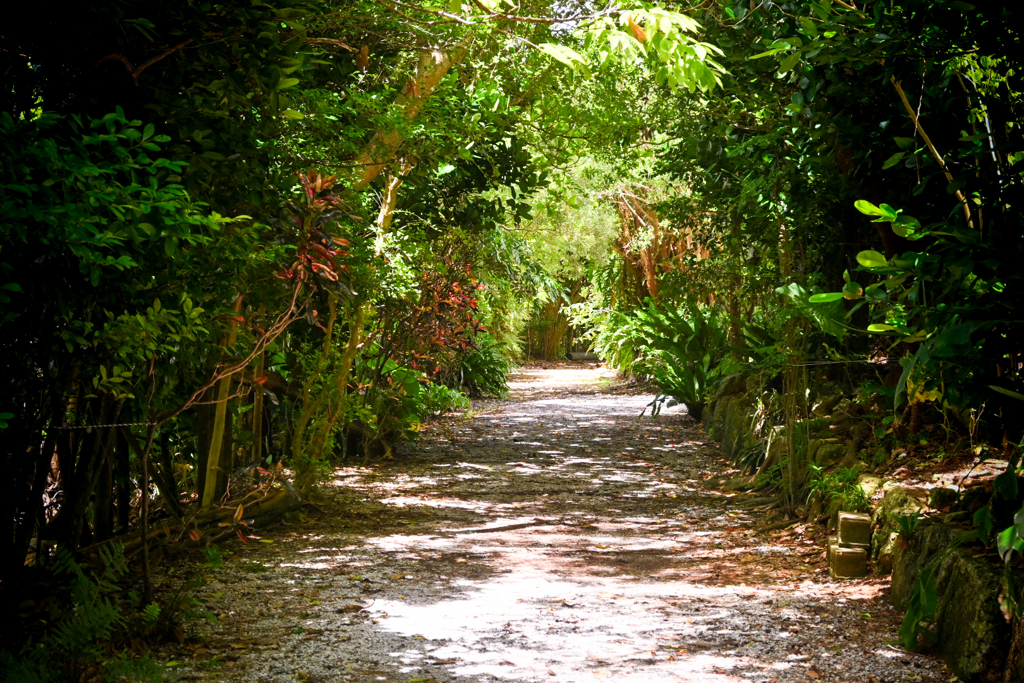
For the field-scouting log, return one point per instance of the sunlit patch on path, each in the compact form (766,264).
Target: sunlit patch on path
(557,536)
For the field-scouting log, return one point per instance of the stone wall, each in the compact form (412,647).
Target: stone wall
(969,627)
(977,641)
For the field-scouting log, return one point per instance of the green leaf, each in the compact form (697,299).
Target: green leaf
(1007,392)
(292,114)
(771,52)
(1018,519)
(789,62)
(1005,542)
(901,386)
(871,259)
(880,327)
(893,160)
(955,186)
(286,83)
(565,55)
(867,208)
(825,297)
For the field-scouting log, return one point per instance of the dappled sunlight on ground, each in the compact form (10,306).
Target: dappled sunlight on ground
(555,537)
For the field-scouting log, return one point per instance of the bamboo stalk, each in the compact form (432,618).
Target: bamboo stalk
(211,490)
(931,148)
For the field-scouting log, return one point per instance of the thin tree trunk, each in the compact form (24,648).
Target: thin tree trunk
(122,474)
(257,413)
(432,68)
(102,504)
(215,483)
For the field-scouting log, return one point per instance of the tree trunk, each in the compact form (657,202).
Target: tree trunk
(257,413)
(432,68)
(217,467)
(103,504)
(122,474)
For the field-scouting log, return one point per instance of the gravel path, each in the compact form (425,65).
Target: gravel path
(555,536)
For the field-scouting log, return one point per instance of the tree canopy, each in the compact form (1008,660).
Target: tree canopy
(257,236)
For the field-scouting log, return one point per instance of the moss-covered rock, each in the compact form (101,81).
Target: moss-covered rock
(870,484)
(972,499)
(729,420)
(1015,658)
(942,497)
(825,406)
(828,454)
(970,630)
(899,501)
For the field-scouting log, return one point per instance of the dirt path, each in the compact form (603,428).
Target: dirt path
(555,536)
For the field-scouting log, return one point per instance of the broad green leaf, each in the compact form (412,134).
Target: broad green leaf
(867,208)
(893,160)
(871,259)
(880,327)
(1004,543)
(825,297)
(1018,521)
(566,55)
(789,62)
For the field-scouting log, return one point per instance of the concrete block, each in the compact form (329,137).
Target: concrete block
(854,530)
(848,563)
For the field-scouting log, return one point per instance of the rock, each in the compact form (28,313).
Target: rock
(899,501)
(942,497)
(828,454)
(734,384)
(846,407)
(825,406)
(860,431)
(971,632)
(959,517)
(1015,660)
(870,484)
(972,499)
(851,454)
(738,484)
(728,420)
(812,449)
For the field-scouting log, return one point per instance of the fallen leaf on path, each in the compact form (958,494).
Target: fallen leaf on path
(814,673)
(349,609)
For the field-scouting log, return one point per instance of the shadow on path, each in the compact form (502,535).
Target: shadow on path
(554,536)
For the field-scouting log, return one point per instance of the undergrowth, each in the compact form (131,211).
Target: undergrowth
(837,490)
(90,615)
